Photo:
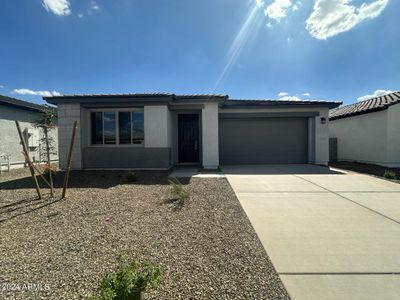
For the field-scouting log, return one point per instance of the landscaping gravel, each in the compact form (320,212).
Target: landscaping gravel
(205,247)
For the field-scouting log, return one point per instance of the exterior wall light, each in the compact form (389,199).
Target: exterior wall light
(323,120)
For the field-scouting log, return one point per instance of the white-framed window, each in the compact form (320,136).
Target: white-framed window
(112,127)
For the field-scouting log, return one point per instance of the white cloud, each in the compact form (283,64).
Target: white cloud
(58,7)
(290,98)
(377,93)
(306,94)
(330,18)
(1,86)
(260,3)
(94,5)
(80,16)
(278,9)
(35,93)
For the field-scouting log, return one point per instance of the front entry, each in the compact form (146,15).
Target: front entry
(188,138)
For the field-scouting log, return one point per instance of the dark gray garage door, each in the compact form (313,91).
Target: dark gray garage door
(263,140)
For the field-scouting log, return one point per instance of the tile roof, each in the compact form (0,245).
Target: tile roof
(171,98)
(20,103)
(364,107)
(252,102)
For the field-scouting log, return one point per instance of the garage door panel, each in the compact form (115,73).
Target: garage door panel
(263,140)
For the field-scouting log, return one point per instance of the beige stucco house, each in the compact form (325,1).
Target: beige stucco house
(26,113)
(158,131)
(368,131)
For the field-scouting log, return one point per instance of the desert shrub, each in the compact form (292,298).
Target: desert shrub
(178,190)
(128,282)
(132,176)
(389,174)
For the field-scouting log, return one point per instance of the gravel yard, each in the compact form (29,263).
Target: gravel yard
(207,248)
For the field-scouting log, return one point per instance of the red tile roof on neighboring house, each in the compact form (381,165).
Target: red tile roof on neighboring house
(365,107)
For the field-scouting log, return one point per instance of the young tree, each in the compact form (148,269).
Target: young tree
(47,123)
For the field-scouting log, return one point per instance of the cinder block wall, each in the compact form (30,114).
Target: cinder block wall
(67,114)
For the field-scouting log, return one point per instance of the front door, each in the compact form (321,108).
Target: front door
(188,138)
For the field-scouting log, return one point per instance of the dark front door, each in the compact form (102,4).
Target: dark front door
(188,138)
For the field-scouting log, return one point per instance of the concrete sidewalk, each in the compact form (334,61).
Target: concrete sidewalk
(330,235)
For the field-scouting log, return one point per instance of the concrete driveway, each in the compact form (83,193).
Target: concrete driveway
(329,234)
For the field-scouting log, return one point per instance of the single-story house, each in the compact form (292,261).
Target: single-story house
(368,131)
(26,113)
(158,131)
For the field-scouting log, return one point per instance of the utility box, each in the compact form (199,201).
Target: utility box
(333,150)
(32,137)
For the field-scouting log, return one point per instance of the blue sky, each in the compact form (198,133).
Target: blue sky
(271,49)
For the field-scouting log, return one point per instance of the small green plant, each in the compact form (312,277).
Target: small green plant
(132,176)
(389,174)
(178,190)
(128,282)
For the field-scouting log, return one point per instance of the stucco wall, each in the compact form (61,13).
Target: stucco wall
(157,123)
(210,141)
(362,138)
(322,138)
(9,138)
(393,138)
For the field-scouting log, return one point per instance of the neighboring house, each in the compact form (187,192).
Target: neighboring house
(157,131)
(10,148)
(368,131)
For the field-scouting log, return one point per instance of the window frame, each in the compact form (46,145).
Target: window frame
(116,111)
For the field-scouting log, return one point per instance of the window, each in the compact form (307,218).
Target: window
(137,127)
(109,128)
(97,128)
(123,127)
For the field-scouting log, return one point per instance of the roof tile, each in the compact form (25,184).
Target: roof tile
(363,107)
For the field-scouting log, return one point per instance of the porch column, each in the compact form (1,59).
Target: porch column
(209,123)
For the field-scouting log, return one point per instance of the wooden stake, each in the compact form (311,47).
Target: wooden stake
(28,160)
(69,158)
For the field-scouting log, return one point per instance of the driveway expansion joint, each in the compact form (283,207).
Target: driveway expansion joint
(343,197)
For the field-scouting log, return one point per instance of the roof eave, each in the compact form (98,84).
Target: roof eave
(276,104)
(139,98)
